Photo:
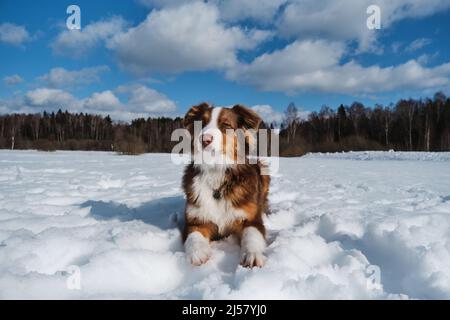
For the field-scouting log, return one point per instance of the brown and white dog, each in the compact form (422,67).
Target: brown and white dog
(224,197)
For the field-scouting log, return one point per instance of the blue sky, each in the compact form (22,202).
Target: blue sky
(153,57)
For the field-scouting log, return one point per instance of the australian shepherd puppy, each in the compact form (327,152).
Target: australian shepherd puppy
(225,192)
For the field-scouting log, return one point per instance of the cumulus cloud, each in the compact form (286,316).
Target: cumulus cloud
(76,43)
(268,114)
(329,19)
(315,66)
(277,70)
(183,38)
(261,11)
(13,34)
(271,116)
(52,99)
(401,9)
(62,78)
(12,80)
(144,99)
(140,101)
(345,20)
(102,101)
(41,99)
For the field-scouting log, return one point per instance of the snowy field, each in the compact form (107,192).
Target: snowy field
(336,221)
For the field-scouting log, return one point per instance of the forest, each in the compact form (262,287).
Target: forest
(408,125)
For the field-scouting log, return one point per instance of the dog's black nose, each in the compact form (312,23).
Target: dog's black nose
(206,140)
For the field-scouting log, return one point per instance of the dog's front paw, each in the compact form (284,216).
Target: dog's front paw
(252,259)
(197,249)
(199,256)
(252,248)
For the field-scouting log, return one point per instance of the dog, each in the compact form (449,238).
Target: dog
(224,196)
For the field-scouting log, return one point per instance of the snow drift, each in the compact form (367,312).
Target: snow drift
(336,222)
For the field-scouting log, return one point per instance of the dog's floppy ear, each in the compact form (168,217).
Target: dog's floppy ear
(247,118)
(195,114)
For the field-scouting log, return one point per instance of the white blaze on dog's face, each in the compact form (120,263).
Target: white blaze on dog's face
(208,141)
(220,135)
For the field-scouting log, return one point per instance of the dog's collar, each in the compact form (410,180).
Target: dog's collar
(217,193)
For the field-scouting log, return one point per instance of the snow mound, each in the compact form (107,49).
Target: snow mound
(99,225)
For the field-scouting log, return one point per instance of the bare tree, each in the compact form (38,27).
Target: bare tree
(36,125)
(13,137)
(387,118)
(355,113)
(410,122)
(291,121)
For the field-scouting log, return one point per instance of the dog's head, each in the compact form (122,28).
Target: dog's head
(221,135)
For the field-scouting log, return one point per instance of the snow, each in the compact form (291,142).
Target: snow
(336,221)
(383,155)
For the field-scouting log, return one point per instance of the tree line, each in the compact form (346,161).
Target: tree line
(79,131)
(408,125)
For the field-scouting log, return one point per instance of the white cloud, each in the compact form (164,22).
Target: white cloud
(13,34)
(418,44)
(140,101)
(268,114)
(346,19)
(12,80)
(102,101)
(277,70)
(62,78)
(76,43)
(328,19)
(315,66)
(395,10)
(144,99)
(51,99)
(183,38)
(261,11)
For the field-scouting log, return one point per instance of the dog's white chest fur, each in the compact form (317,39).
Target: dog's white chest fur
(218,211)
